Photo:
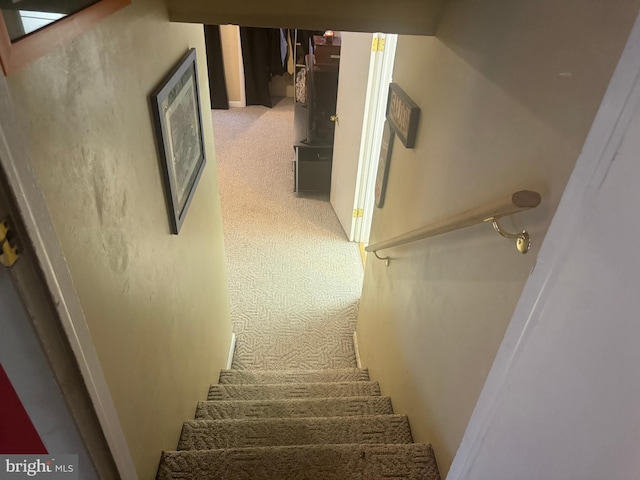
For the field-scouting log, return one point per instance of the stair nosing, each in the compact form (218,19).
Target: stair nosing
(299,419)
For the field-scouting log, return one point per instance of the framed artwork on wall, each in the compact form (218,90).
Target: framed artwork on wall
(403,114)
(178,123)
(383,164)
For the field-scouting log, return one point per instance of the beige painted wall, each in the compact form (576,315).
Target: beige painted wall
(231,54)
(156,303)
(508,90)
(279,86)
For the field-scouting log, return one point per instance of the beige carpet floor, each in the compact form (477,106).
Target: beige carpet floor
(294,279)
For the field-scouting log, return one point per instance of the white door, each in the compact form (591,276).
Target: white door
(355,56)
(26,372)
(366,66)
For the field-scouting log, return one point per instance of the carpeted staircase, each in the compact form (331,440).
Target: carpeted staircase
(297,425)
(290,310)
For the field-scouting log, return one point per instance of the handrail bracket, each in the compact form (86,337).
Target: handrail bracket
(386,259)
(523,240)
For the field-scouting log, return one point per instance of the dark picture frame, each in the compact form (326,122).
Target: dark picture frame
(403,115)
(386,147)
(178,123)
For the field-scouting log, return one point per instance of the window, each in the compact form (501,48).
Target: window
(32,28)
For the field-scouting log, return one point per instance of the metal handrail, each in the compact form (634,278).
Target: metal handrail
(491,212)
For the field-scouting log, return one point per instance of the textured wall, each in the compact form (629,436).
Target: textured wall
(508,90)
(156,303)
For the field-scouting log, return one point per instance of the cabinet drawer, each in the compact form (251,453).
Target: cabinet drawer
(314,177)
(312,169)
(315,154)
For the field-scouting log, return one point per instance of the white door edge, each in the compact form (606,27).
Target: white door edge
(243,91)
(612,120)
(380,75)
(368,124)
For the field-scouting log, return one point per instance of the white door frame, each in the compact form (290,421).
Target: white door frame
(32,209)
(380,74)
(31,375)
(618,106)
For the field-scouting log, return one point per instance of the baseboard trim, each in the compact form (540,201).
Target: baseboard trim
(237,104)
(232,348)
(357,350)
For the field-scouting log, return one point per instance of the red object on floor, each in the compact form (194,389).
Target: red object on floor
(17,433)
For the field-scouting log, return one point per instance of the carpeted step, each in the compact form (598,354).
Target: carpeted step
(207,434)
(306,407)
(294,376)
(292,390)
(326,462)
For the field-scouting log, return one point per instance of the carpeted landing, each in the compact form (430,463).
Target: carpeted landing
(297,425)
(294,279)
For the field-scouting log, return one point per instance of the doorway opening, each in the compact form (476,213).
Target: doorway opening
(294,268)
(339,125)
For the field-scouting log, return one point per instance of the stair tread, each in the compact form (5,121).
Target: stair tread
(304,407)
(329,462)
(214,434)
(293,376)
(288,390)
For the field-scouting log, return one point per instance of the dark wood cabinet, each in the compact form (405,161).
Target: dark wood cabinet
(312,163)
(314,126)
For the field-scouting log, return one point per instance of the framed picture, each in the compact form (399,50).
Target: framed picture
(403,114)
(383,164)
(178,123)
